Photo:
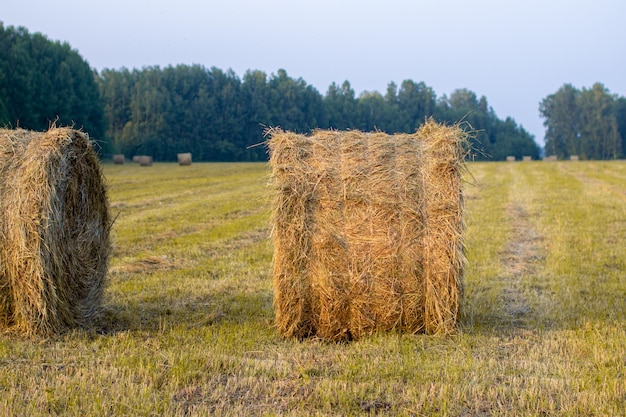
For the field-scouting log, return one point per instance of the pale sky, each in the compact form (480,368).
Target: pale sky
(515,53)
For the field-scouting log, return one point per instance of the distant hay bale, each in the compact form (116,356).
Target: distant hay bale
(367,231)
(145,160)
(184,159)
(527,158)
(54,231)
(550,158)
(136,158)
(510,158)
(574,158)
(118,159)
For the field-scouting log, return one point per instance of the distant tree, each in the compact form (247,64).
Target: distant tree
(620,114)
(415,103)
(562,121)
(115,90)
(599,133)
(42,81)
(255,93)
(340,104)
(370,113)
(294,104)
(581,122)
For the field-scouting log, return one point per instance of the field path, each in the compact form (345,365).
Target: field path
(507,254)
(519,259)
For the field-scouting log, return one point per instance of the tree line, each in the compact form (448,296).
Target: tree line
(218,116)
(587,122)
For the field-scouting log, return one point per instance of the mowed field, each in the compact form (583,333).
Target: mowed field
(187,323)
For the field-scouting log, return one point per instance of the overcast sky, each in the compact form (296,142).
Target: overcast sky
(515,53)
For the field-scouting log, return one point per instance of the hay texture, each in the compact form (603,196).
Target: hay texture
(184,159)
(367,231)
(54,231)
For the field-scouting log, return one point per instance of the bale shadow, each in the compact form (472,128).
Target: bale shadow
(200,311)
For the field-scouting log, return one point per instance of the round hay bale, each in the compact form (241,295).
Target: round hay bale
(145,161)
(118,159)
(136,158)
(367,231)
(54,231)
(184,159)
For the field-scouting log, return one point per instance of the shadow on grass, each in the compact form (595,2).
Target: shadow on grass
(205,310)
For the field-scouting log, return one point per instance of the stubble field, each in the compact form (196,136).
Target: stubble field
(187,322)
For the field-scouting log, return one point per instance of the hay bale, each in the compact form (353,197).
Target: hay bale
(527,158)
(443,230)
(574,158)
(136,158)
(293,228)
(118,159)
(510,158)
(184,159)
(54,231)
(367,231)
(145,160)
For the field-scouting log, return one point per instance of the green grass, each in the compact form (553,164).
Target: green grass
(187,328)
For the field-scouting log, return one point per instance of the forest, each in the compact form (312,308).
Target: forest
(218,116)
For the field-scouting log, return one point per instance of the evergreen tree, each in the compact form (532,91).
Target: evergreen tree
(340,104)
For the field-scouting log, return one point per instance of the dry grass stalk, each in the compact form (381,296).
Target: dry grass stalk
(367,231)
(184,159)
(118,159)
(54,231)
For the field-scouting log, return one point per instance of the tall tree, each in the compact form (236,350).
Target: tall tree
(371,114)
(340,104)
(42,81)
(620,114)
(581,122)
(599,132)
(562,122)
(415,103)
(255,93)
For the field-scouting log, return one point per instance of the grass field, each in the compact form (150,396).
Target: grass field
(187,328)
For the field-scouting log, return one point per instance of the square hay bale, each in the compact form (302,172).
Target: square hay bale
(367,231)
(118,159)
(54,231)
(184,159)
(510,158)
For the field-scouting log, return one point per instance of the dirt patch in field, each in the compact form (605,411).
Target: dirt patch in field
(520,259)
